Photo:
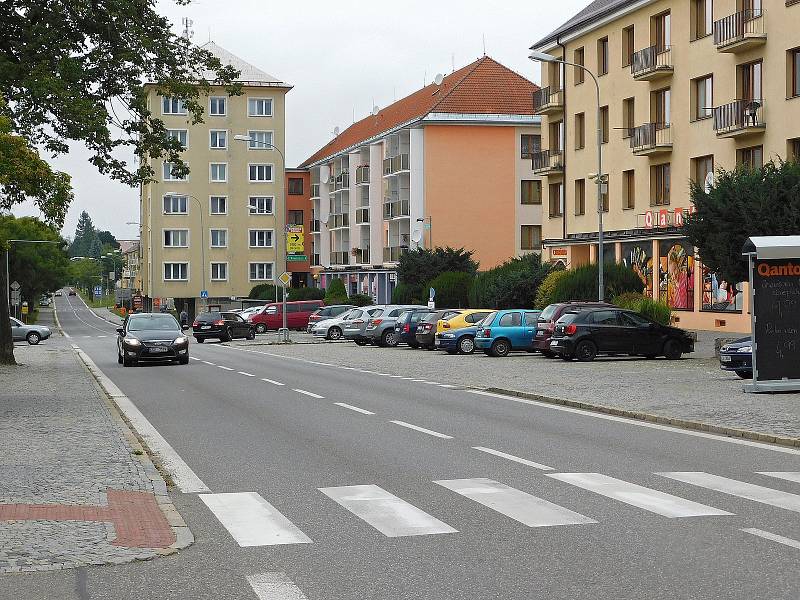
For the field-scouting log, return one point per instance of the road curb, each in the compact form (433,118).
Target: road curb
(651,418)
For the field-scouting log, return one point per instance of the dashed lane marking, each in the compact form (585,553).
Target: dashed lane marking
(226,368)
(272,381)
(423,430)
(307,393)
(773,537)
(523,461)
(245,374)
(355,408)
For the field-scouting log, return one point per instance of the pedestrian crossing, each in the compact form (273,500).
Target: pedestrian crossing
(252,521)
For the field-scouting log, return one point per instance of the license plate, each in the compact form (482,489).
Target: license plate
(724,358)
(438,342)
(554,343)
(205,327)
(540,334)
(157,350)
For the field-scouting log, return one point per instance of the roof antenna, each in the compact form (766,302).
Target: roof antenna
(209,34)
(483,36)
(188,32)
(453,62)
(425,78)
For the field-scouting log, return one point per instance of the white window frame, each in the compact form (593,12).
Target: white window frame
(181,106)
(256,229)
(163,236)
(210,104)
(211,271)
(211,238)
(271,172)
(211,204)
(250,207)
(185,133)
(211,172)
(167,175)
(249,272)
(211,133)
(164,210)
(179,262)
(261,98)
(260,145)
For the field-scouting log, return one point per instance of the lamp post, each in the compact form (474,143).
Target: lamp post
(601,179)
(8,254)
(251,140)
(430,228)
(202,240)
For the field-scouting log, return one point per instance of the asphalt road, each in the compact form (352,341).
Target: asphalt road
(505,499)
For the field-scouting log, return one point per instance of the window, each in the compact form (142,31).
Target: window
(219,172)
(260,238)
(260,205)
(602,56)
(179,134)
(750,81)
(604,125)
(531,191)
(169,175)
(175,205)
(176,238)
(219,139)
(793,149)
(702,90)
(661,107)
(628,117)
(557,136)
(172,106)
(628,46)
(259,140)
(662,31)
(260,173)
(294,217)
(578,58)
(531,237)
(176,271)
(701,167)
(529,145)
(659,185)
(580,197)
(259,107)
(752,157)
(603,317)
(219,238)
(217,106)
(295,186)
(219,205)
(556,199)
(580,131)
(794,68)
(702,18)
(510,320)
(260,271)
(628,190)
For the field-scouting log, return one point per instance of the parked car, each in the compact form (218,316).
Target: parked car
(33,334)
(380,328)
(45,301)
(507,330)
(72,292)
(429,327)
(333,328)
(327,312)
(458,341)
(151,337)
(59,293)
(464,318)
(585,334)
(547,322)
(406,325)
(355,327)
(250,310)
(297,315)
(737,356)
(223,326)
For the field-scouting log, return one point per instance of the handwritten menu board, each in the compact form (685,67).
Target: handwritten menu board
(776,284)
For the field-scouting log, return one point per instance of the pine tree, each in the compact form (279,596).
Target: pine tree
(85,234)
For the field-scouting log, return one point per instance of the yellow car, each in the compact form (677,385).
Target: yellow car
(465,318)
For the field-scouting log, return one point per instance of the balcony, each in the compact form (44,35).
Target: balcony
(548,162)
(392,254)
(342,181)
(395,164)
(396,209)
(740,118)
(339,221)
(315,226)
(650,138)
(652,63)
(548,101)
(314,190)
(362,216)
(362,174)
(340,258)
(361,256)
(740,31)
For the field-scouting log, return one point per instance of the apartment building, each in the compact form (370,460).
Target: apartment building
(220,228)
(299,222)
(448,165)
(686,87)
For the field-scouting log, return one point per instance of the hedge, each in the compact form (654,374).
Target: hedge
(581,283)
(452,289)
(647,307)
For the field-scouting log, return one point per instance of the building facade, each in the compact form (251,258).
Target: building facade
(687,87)
(448,165)
(218,230)
(299,223)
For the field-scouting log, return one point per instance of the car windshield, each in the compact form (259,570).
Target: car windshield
(548,312)
(153,323)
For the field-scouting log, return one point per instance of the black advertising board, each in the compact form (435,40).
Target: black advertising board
(776,306)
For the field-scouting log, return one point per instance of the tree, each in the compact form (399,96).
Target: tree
(335,293)
(417,267)
(266,291)
(108,240)
(510,285)
(452,289)
(743,203)
(85,235)
(85,273)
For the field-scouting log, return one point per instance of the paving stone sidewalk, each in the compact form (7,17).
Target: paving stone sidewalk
(74,487)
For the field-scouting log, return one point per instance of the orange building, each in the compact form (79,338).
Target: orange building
(299,215)
(449,165)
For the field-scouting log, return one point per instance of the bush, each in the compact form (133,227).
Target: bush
(335,293)
(418,266)
(360,300)
(545,293)
(452,289)
(581,283)
(405,293)
(511,285)
(647,307)
(265,291)
(305,293)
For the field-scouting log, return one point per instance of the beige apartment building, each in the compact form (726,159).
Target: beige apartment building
(220,229)
(686,87)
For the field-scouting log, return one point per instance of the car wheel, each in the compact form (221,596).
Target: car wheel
(251,334)
(128,362)
(227,337)
(585,351)
(184,360)
(500,348)
(119,357)
(745,374)
(548,354)
(672,349)
(200,340)
(33,338)
(389,338)
(466,345)
(414,345)
(334,333)
(649,356)
(566,357)
(361,342)
(261,328)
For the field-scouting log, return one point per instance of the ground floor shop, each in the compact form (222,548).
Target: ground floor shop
(377,283)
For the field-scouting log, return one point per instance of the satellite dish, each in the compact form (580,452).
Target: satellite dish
(328,221)
(325,173)
(709,182)
(375,110)
(438,79)
(416,236)
(336,131)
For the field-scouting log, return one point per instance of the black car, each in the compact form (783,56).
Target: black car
(151,337)
(223,326)
(427,328)
(737,356)
(585,334)
(406,325)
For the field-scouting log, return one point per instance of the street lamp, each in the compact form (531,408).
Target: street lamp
(600,178)
(202,240)
(430,228)
(246,138)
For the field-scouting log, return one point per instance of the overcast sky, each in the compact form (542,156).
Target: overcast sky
(342,58)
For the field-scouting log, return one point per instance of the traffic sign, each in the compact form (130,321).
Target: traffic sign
(285,278)
(15,297)
(98,290)
(295,239)
(296,257)
(15,285)
(24,308)
(204,293)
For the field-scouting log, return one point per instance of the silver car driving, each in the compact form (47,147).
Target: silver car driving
(33,334)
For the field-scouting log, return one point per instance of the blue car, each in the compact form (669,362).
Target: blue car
(458,341)
(737,356)
(507,330)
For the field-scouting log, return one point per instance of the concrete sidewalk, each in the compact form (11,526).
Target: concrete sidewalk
(75,486)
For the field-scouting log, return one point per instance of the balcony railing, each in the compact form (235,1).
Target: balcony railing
(315,190)
(650,138)
(652,62)
(740,29)
(739,117)
(362,174)
(315,226)
(397,208)
(547,161)
(362,215)
(361,256)
(342,181)
(392,254)
(548,99)
(395,164)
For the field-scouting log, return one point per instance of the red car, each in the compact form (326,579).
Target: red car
(297,315)
(546,324)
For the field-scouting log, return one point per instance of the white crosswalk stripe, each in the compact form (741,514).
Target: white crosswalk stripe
(741,489)
(660,503)
(386,512)
(516,504)
(787,475)
(274,586)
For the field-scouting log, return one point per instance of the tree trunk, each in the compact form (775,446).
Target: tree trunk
(6,343)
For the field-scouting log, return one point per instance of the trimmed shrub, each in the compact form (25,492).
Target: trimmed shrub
(546,291)
(511,285)
(405,293)
(360,300)
(335,290)
(581,283)
(305,293)
(647,307)
(452,289)
(266,291)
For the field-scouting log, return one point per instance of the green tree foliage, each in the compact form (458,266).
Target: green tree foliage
(266,291)
(305,293)
(510,285)
(108,240)
(452,289)
(417,267)
(653,309)
(546,293)
(407,294)
(85,236)
(335,293)
(743,203)
(360,300)
(85,273)
(581,283)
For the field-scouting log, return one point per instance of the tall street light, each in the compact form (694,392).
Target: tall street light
(600,178)
(202,240)
(251,140)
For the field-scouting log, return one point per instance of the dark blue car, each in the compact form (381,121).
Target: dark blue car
(406,325)
(458,341)
(737,356)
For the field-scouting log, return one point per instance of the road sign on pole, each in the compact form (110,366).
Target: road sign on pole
(98,291)
(15,286)
(295,239)
(285,278)
(15,297)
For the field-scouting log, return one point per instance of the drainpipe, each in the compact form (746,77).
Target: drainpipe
(564,158)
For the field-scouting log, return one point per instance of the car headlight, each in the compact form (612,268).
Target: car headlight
(449,336)
(182,339)
(131,341)
(748,349)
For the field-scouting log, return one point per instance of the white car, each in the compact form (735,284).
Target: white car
(59,293)
(332,329)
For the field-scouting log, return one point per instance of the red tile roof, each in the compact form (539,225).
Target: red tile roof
(483,87)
